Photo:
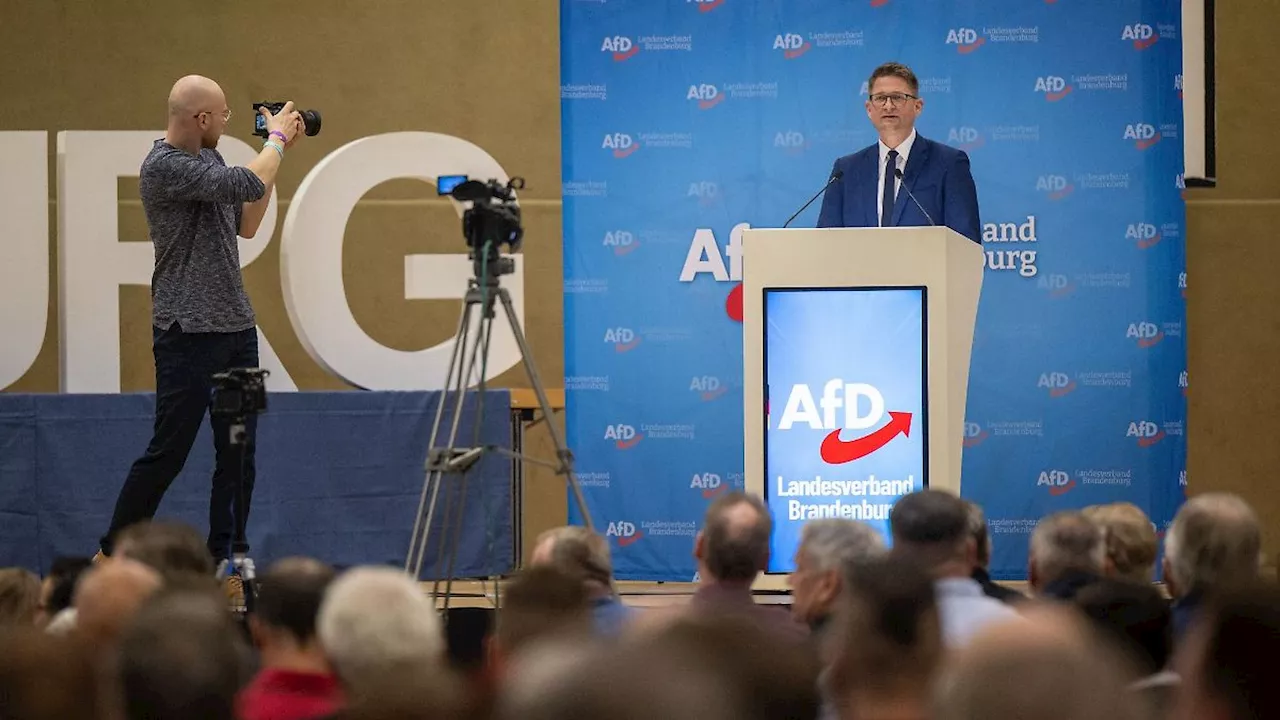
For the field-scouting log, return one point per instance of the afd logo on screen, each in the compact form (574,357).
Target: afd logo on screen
(707,95)
(621,144)
(792,45)
(708,387)
(1055,187)
(965,39)
(625,532)
(1146,432)
(1059,482)
(622,242)
(1147,334)
(624,436)
(836,393)
(1057,383)
(965,138)
(1053,87)
(974,434)
(709,484)
(622,47)
(623,339)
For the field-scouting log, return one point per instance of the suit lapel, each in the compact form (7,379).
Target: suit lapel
(915,162)
(871,194)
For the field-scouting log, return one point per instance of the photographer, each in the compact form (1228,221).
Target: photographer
(202,322)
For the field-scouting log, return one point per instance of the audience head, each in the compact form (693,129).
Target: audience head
(1225,662)
(978,531)
(826,548)
(1062,543)
(888,644)
(60,584)
(107,598)
(374,619)
(173,549)
(578,551)
(931,529)
(1135,616)
(1051,668)
(19,597)
(1130,540)
(289,596)
(733,545)
(1215,539)
(182,658)
(541,603)
(46,678)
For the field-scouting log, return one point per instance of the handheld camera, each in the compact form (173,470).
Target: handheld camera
(310,119)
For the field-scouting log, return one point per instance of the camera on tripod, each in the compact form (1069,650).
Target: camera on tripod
(239,393)
(493,220)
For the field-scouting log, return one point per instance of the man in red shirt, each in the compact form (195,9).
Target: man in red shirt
(295,682)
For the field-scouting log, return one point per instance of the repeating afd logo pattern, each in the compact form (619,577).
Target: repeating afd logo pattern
(686,123)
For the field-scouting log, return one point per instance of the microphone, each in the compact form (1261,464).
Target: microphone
(834,177)
(898,174)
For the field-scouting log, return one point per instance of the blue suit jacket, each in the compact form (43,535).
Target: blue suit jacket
(938,175)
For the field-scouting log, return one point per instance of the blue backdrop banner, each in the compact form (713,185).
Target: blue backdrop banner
(686,121)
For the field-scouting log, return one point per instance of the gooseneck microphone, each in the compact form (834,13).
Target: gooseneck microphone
(834,177)
(897,172)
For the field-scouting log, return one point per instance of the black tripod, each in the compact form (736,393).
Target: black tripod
(471,348)
(238,394)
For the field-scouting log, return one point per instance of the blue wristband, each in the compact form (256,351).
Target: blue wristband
(274,146)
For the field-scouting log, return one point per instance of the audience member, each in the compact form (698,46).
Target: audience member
(827,549)
(890,643)
(541,603)
(19,597)
(1052,667)
(1130,540)
(375,620)
(295,680)
(181,658)
(1215,540)
(931,529)
(174,550)
(732,549)
(1067,553)
(107,598)
(47,678)
(1136,618)
(58,586)
(1226,660)
(583,553)
(982,542)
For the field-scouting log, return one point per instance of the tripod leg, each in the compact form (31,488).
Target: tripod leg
(562,451)
(418,545)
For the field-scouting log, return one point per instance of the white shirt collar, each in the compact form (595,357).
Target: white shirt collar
(903,150)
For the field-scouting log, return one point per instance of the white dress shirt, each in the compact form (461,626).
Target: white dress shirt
(903,151)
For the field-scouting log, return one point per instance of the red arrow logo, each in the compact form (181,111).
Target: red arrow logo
(835,451)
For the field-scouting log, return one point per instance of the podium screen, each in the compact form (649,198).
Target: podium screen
(845,407)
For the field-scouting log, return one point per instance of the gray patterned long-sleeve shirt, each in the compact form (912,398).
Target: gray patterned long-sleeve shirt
(193,207)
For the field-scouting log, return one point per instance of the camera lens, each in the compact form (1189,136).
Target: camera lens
(311,119)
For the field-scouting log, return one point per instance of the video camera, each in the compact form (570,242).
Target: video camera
(239,393)
(310,119)
(493,220)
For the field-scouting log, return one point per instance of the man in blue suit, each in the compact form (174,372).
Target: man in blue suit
(869,192)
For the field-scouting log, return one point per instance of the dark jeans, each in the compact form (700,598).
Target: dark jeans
(185,364)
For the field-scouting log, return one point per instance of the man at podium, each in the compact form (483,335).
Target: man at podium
(905,179)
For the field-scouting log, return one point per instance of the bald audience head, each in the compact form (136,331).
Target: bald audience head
(198,112)
(108,596)
(733,545)
(1053,668)
(1214,539)
(580,552)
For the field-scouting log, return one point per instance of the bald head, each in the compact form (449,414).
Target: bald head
(194,94)
(108,596)
(734,542)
